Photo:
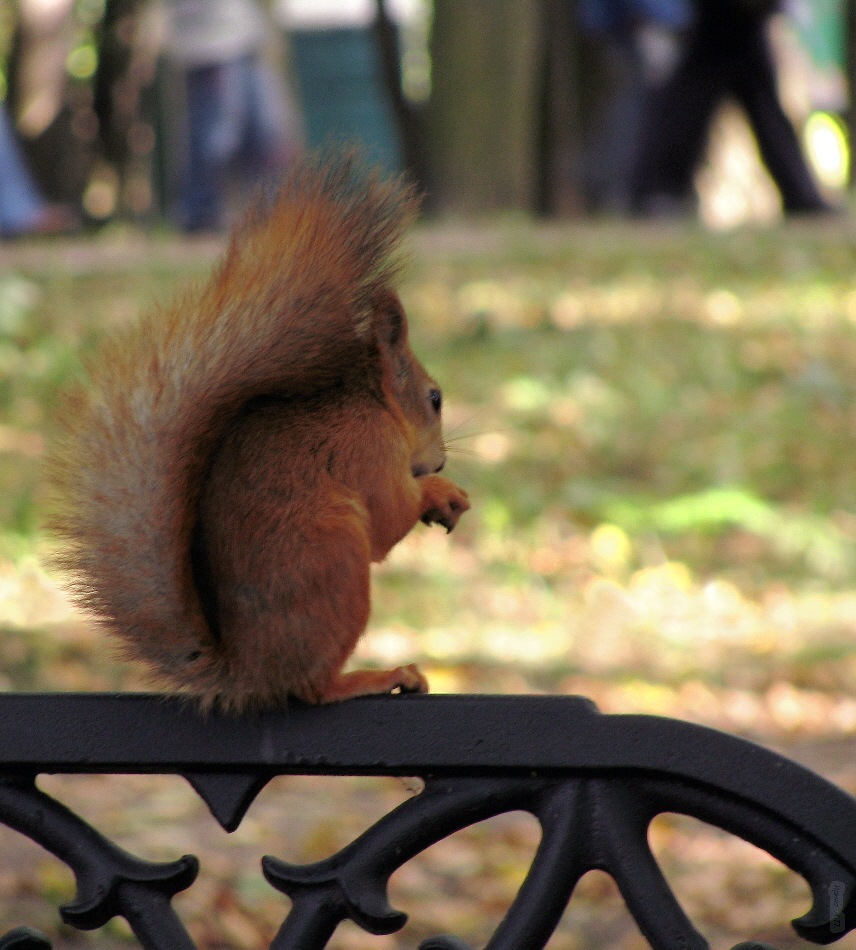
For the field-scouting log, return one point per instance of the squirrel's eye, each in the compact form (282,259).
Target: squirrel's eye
(436,398)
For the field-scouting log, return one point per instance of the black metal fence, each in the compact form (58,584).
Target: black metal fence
(594,782)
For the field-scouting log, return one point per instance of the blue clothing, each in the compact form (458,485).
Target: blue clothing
(21,205)
(234,112)
(641,40)
(613,17)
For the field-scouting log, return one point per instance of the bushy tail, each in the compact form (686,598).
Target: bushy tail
(286,312)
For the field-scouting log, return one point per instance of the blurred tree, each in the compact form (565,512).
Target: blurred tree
(51,123)
(409,117)
(572,83)
(116,94)
(482,118)
(41,45)
(516,89)
(77,81)
(123,87)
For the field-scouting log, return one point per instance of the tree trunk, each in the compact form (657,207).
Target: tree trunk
(409,120)
(483,112)
(53,129)
(571,93)
(122,94)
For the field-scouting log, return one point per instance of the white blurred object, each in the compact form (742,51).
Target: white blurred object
(326,14)
(659,48)
(199,32)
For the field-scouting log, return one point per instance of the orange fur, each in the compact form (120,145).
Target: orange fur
(242,456)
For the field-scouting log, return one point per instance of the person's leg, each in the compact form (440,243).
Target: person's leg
(756,89)
(675,126)
(608,161)
(266,151)
(216,115)
(21,205)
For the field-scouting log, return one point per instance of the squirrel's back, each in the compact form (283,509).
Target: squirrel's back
(287,313)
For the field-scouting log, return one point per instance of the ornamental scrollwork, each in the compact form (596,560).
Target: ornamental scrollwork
(594,805)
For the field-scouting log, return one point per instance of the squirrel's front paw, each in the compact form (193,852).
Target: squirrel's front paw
(443,502)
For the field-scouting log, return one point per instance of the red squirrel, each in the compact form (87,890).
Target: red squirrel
(239,458)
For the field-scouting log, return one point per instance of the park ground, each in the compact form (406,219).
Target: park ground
(657,427)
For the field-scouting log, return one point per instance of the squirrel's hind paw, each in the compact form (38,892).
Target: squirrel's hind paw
(407,679)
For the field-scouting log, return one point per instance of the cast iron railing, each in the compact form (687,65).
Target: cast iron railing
(594,782)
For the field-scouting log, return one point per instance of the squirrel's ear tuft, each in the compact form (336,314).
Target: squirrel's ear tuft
(390,322)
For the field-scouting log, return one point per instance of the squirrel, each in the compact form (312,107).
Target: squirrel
(240,457)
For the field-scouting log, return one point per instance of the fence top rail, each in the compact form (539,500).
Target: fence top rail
(439,735)
(383,735)
(593,781)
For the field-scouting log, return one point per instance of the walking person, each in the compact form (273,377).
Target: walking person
(728,54)
(237,115)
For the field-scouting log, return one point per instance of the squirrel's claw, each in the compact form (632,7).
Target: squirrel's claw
(412,679)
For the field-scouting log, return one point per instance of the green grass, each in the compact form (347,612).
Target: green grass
(683,385)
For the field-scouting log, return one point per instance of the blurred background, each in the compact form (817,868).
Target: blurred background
(526,106)
(635,279)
